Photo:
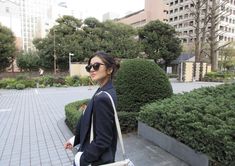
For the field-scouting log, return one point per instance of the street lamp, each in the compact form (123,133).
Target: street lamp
(70,54)
(54,52)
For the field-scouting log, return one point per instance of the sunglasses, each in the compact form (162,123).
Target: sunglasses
(95,66)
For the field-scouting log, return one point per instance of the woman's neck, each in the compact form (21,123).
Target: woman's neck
(103,82)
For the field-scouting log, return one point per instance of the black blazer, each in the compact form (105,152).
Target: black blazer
(103,148)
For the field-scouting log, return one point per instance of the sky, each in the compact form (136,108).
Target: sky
(96,8)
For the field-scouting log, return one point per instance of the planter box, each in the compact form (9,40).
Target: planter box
(172,146)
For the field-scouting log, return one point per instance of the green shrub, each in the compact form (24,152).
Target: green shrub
(219,76)
(8,83)
(72,113)
(47,80)
(138,82)
(28,83)
(204,119)
(84,81)
(59,80)
(72,81)
(128,120)
(20,86)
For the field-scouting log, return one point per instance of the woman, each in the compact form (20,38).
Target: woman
(102,149)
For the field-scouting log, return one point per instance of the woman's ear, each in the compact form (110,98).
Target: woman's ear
(109,70)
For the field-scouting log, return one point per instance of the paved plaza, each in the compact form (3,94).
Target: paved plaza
(32,128)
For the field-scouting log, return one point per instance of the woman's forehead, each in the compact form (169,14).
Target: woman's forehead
(96,59)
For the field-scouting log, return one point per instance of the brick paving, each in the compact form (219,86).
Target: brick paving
(32,129)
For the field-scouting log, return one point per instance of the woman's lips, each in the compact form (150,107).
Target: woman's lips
(93,75)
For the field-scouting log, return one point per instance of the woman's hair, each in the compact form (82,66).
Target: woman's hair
(108,60)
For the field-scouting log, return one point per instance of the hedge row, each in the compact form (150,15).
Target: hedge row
(21,82)
(73,111)
(219,76)
(204,119)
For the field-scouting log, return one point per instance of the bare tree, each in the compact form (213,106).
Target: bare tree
(217,10)
(199,11)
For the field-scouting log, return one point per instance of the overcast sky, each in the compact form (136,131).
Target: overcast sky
(96,8)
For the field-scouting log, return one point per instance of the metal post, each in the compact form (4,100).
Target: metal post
(70,54)
(54,53)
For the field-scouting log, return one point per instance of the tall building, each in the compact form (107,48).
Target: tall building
(153,10)
(181,16)
(34,14)
(109,16)
(10,17)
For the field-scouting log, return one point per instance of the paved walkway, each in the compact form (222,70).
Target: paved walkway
(32,129)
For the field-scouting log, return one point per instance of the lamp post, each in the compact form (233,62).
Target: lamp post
(55,58)
(70,54)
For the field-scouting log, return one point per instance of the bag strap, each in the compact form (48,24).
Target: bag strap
(117,125)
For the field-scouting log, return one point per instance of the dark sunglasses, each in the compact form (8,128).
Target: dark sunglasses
(95,66)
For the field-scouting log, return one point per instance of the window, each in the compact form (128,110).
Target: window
(186,16)
(221,37)
(191,23)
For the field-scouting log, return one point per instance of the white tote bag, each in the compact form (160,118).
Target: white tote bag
(126,161)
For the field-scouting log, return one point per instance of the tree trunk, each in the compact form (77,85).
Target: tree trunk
(197,31)
(213,38)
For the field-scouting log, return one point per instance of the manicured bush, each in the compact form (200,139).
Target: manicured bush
(127,120)
(204,119)
(72,81)
(20,86)
(8,83)
(84,81)
(139,82)
(28,83)
(73,111)
(219,76)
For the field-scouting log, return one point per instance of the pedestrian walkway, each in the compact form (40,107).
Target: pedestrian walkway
(32,130)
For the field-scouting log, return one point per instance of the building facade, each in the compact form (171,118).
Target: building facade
(153,10)
(10,17)
(181,17)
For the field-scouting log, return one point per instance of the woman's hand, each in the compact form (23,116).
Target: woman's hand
(69,143)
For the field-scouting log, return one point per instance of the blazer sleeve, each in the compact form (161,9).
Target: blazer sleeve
(104,120)
(77,132)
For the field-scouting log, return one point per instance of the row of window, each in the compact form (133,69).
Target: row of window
(221,38)
(177,1)
(185,24)
(186,16)
(228,20)
(227,29)
(181,1)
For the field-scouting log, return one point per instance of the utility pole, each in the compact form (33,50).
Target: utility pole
(55,58)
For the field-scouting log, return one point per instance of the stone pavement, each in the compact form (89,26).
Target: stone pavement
(32,128)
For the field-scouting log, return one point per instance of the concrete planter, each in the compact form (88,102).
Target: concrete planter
(173,146)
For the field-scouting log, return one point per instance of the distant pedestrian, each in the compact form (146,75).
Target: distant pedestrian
(102,148)
(41,71)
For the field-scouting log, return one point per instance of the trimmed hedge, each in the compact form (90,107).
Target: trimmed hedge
(128,120)
(44,81)
(203,119)
(73,111)
(219,76)
(139,82)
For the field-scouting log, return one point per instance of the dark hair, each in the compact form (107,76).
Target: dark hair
(108,60)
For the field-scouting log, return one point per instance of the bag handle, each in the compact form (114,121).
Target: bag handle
(117,126)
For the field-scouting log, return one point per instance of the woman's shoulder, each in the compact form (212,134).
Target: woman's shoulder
(104,95)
